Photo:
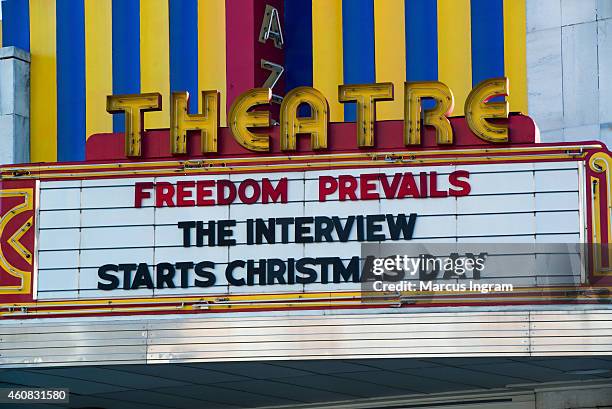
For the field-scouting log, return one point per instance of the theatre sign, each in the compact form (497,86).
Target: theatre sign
(201,219)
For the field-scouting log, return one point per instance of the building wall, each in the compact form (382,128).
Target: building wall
(83,50)
(585,397)
(569,67)
(568,57)
(14,105)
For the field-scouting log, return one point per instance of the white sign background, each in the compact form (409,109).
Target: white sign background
(84,224)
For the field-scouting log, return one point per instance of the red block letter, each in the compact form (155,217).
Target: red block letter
(140,192)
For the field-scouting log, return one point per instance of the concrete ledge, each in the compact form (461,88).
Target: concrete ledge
(14,52)
(244,337)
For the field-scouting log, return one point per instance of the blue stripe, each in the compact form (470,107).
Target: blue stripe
(421,18)
(421,40)
(184,49)
(16,24)
(298,43)
(487,39)
(126,52)
(358,46)
(70,51)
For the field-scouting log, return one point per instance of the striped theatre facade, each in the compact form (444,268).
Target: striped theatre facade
(84,50)
(238,229)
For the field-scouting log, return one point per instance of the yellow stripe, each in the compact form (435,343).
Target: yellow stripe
(573,152)
(515,63)
(98,65)
(0,33)
(455,49)
(211,50)
(286,300)
(43,93)
(155,58)
(382,159)
(291,298)
(390,54)
(327,53)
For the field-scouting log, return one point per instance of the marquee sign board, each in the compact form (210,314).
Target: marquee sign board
(201,218)
(290,232)
(281,232)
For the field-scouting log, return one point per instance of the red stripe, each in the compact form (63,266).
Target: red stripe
(240,50)
(342,137)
